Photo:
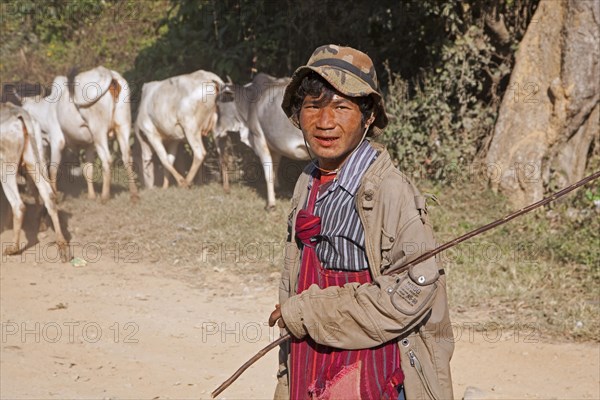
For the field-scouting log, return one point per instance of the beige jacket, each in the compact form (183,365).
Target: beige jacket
(409,305)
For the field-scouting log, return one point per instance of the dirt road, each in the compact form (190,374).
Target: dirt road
(121,330)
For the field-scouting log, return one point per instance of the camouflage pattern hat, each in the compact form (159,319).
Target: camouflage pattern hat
(349,71)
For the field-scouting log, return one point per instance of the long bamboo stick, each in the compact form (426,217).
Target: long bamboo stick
(248,363)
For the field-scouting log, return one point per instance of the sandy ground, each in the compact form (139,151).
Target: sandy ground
(121,330)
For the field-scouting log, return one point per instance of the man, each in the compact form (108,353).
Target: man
(365,323)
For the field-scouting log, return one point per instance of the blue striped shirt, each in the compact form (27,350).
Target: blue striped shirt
(343,243)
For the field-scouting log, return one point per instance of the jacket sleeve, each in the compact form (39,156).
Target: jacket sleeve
(362,316)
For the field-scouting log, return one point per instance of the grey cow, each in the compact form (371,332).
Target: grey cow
(255,111)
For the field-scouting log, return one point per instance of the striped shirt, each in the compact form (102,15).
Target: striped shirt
(343,237)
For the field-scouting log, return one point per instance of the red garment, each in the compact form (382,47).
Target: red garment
(323,372)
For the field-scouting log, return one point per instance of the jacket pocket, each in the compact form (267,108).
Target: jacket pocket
(410,298)
(387,242)
(416,364)
(420,375)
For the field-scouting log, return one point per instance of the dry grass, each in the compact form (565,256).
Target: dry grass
(534,272)
(541,270)
(201,226)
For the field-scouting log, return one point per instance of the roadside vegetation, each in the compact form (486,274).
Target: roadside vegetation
(538,275)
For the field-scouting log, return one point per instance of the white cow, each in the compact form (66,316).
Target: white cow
(82,112)
(171,111)
(21,144)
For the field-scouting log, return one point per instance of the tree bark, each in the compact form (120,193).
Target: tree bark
(549,115)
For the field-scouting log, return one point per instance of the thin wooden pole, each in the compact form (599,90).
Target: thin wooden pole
(500,221)
(248,363)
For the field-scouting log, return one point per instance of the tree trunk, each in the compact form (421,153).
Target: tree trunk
(549,115)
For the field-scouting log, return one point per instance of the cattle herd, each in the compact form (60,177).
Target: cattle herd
(83,110)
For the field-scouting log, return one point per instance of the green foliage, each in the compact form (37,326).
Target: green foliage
(56,20)
(443,50)
(445,122)
(43,39)
(445,68)
(442,118)
(239,37)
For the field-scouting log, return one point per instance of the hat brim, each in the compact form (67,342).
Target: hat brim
(346,83)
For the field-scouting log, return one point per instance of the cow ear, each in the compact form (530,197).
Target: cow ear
(226,94)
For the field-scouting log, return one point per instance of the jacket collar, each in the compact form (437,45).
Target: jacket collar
(353,169)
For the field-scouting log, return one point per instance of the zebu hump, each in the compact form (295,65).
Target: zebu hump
(89,86)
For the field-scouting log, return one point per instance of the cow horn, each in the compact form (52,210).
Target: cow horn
(71,80)
(229,81)
(16,94)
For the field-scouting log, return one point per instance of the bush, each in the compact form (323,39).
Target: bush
(445,122)
(442,118)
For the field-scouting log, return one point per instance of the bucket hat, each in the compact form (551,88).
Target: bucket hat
(350,71)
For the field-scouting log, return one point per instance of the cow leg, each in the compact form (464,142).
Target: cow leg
(106,159)
(159,148)
(268,170)
(11,190)
(261,149)
(45,191)
(172,148)
(147,164)
(276,157)
(199,154)
(123,138)
(42,216)
(33,191)
(55,157)
(223,161)
(88,171)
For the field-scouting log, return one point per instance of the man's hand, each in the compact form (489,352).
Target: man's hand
(275,317)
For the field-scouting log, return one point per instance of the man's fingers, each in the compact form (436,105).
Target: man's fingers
(275,315)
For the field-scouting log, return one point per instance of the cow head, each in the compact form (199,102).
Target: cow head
(231,117)
(16,92)
(227,92)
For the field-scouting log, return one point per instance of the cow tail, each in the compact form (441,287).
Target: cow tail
(71,81)
(217,88)
(29,135)
(212,120)
(24,129)
(115,90)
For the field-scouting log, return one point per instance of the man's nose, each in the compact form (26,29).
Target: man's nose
(326,118)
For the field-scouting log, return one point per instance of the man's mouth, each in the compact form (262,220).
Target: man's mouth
(325,140)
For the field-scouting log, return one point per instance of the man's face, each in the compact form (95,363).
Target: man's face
(332,129)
